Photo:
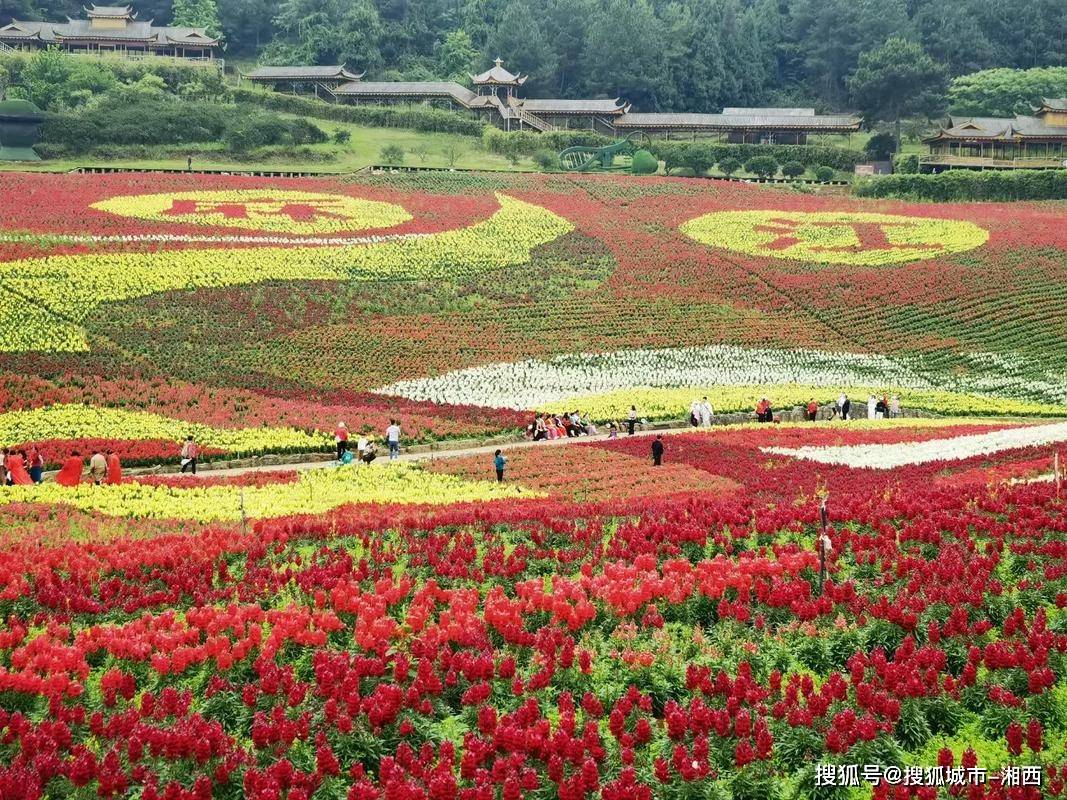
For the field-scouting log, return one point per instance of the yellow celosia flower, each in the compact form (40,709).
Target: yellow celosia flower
(317,491)
(76,421)
(37,314)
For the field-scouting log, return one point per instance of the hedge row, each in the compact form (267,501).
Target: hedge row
(416,117)
(962,184)
(810,155)
(529,142)
(169,121)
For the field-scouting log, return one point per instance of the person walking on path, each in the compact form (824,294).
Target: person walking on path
(499,462)
(71,472)
(97,467)
(631,421)
(16,469)
(361,446)
(392,436)
(657,451)
(694,413)
(813,410)
(843,405)
(190,452)
(340,436)
(872,404)
(114,469)
(35,461)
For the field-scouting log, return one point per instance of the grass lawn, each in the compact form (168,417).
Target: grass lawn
(363,149)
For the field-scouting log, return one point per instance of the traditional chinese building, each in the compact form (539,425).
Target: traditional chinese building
(309,79)
(111,29)
(744,125)
(1021,141)
(495,96)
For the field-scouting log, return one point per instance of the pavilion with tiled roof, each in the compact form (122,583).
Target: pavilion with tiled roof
(111,29)
(744,125)
(296,78)
(1039,140)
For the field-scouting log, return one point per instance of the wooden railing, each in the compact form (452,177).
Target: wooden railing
(1020,162)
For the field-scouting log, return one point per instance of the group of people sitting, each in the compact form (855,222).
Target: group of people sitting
(560,426)
(365,451)
(25,467)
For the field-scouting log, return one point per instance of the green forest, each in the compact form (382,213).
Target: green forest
(670,55)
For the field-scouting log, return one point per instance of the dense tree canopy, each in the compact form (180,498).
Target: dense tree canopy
(694,55)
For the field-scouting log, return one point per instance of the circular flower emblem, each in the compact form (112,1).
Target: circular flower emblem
(261,210)
(835,237)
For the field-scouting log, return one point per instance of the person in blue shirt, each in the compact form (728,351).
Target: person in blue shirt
(499,461)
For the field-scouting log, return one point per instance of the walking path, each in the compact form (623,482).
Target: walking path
(433,455)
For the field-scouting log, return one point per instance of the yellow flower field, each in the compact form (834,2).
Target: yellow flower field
(316,491)
(260,210)
(76,421)
(77,284)
(835,237)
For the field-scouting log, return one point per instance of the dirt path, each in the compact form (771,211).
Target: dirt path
(433,455)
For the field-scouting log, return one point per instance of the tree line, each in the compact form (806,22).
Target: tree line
(670,55)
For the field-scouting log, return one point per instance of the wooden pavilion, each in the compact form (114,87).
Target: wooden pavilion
(298,79)
(1037,141)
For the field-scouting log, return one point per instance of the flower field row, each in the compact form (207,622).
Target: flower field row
(889,456)
(221,299)
(606,384)
(674,647)
(82,422)
(316,491)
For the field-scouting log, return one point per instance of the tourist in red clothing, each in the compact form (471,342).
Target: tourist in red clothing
(114,468)
(71,473)
(16,468)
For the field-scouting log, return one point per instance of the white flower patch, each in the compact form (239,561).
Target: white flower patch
(535,382)
(890,456)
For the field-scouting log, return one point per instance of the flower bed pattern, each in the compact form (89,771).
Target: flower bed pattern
(322,291)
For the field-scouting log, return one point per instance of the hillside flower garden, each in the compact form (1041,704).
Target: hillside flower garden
(846,609)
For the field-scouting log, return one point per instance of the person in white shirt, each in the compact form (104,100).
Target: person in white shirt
(694,413)
(705,413)
(894,406)
(361,446)
(871,403)
(392,436)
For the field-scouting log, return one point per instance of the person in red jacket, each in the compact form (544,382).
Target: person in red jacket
(813,410)
(71,473)
(114,468)
(340,436)
(16,468)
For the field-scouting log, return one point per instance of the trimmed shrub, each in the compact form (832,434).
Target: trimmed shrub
(908,164)
(728,166)
(810,155)
(1050,184)
(764,166)
(529,142)
(793,169)
(546,160)
(644,163)
(824,173)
